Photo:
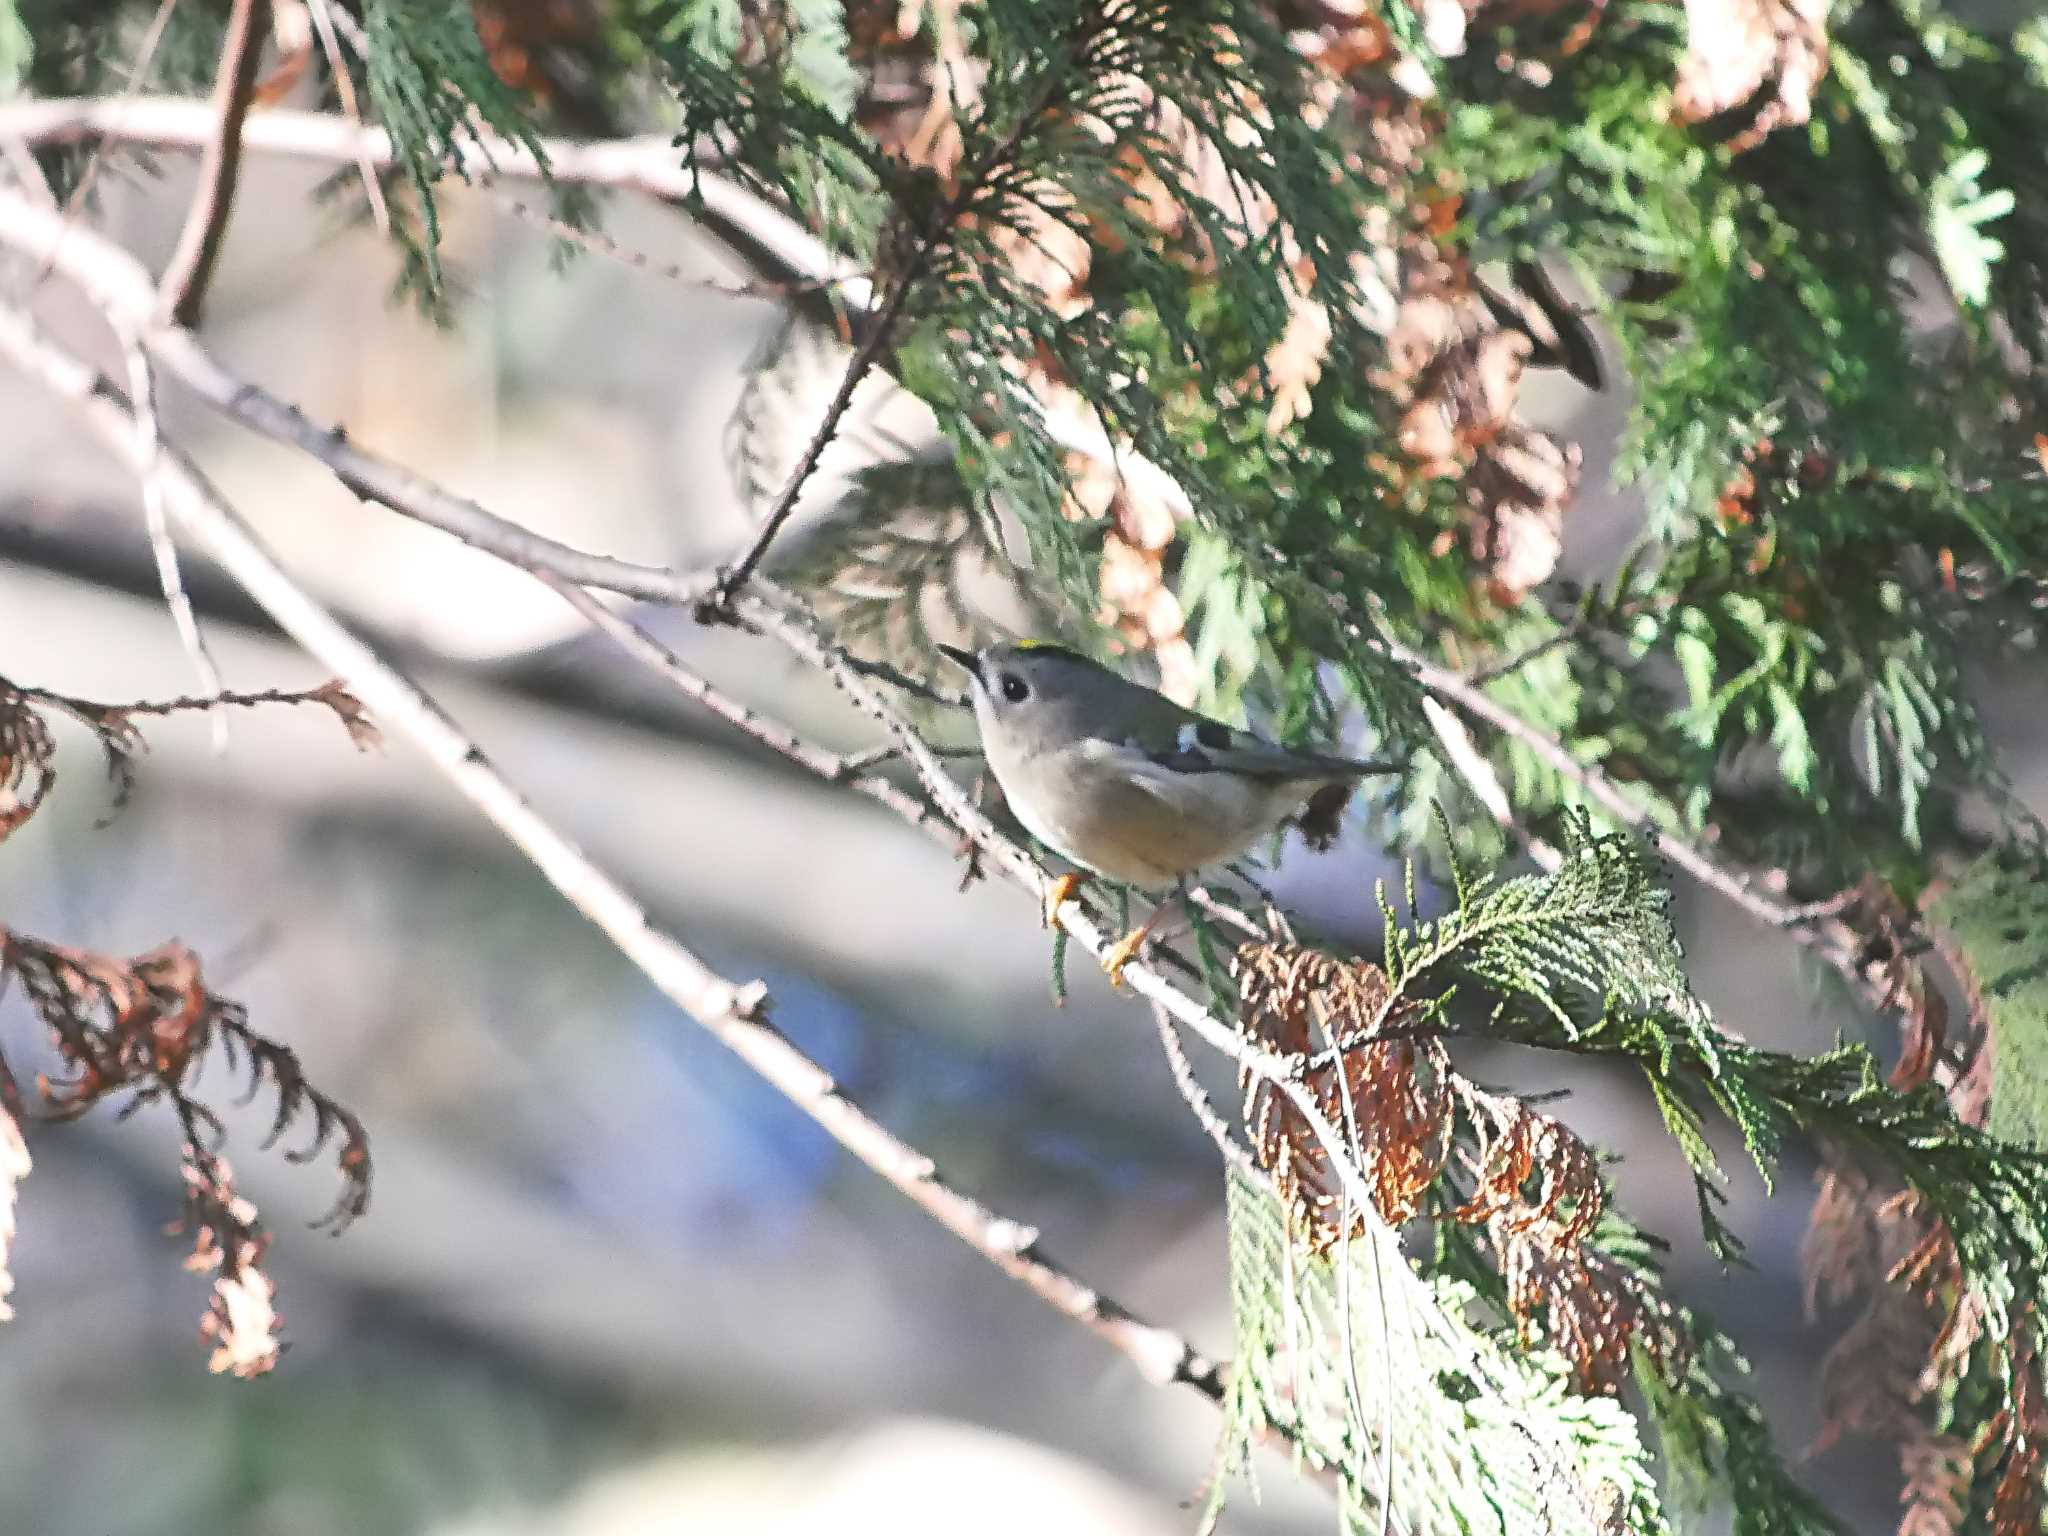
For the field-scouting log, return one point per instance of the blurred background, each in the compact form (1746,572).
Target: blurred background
(609,1285)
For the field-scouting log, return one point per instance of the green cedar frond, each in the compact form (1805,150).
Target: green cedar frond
(431,83)
(1380,1374)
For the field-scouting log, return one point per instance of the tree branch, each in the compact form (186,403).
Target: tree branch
(647,164)
(735,1013)
(120,288)
(191,265)
(883,328)
(732,1013)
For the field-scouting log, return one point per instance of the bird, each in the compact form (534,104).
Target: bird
(1120,780)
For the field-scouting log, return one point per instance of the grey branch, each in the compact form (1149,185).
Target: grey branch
(115,282)
(735,1013)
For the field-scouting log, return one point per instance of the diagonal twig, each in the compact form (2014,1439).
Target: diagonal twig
(345,88)
(142,392)
(735,1013)
(190,268)
(145,57)
(735,576)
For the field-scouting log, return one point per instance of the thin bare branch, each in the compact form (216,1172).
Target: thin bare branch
(192,261)
(1598,788)
(735,1013)
(145,56)
(600,244)
(121,290)
(345,87)
(142,392)
(773,734)
(1197,1099)
(881,332)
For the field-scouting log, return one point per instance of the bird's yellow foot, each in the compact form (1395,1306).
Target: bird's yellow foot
(1057,895)
(1123,952)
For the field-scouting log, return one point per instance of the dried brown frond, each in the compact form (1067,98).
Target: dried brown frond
(1539,1193)
(1136,601)
(1735,48)
(1934,1499)
(1455,354)
(1454,376)
(918,79)
(2016,1503)
(1591,1309)
(27,750)
(1389,1099)
(1838,1255)
(1538,1189)
(1294,363)
(1915,1333)
(533,44)
(27,759)
(141,1027)
(1866,1245)
(228,1242)
(1520,1146)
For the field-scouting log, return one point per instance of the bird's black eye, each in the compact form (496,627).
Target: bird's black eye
(1014,688)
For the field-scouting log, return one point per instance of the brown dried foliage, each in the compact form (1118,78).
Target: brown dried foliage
(1397,1102)
(1136,601)
(229,1243)
(2016,1501)
(28,748)
(1734,48)
(140,1028)
(1390,1099)
(1539,1192)
(1455,354)
(1914,1331)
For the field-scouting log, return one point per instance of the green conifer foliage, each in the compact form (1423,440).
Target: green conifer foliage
(1226,307)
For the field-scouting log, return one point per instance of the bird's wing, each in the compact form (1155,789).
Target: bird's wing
(1193,744)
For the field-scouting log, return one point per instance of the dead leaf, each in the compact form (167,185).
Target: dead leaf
(1734,48)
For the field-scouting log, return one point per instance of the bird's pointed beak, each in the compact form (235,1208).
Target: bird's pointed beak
(967,661)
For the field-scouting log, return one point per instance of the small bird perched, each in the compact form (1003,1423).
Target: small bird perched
(1127,784)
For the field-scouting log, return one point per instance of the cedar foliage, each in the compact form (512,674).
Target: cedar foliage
(1295,260)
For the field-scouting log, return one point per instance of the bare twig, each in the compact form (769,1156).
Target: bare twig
(345,87)
(192,261)
(773,734)
(735,1013)
(1598,788)
(145,56)
(1198,1102)
(142,391)
(1471,765)
(719,602)
(1479,677)
(121,290)
(601,244)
